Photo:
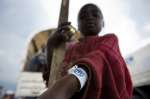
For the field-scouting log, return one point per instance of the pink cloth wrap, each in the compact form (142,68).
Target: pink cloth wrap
(108,77)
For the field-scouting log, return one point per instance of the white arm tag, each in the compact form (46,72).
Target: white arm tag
(80,73)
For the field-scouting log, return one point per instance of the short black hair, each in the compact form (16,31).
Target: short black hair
(93,5)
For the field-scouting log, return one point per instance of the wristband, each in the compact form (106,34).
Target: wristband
(80,74)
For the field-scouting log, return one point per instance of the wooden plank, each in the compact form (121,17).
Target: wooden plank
(58,53)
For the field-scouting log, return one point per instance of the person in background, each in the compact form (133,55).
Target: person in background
(9,95)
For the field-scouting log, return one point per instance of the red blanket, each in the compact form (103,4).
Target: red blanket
(109,77)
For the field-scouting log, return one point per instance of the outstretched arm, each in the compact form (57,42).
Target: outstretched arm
(62,89)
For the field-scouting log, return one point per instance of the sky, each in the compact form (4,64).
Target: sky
(21,19)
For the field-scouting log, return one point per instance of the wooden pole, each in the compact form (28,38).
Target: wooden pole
(58,53)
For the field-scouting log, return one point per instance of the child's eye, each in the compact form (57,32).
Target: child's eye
(96,15)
